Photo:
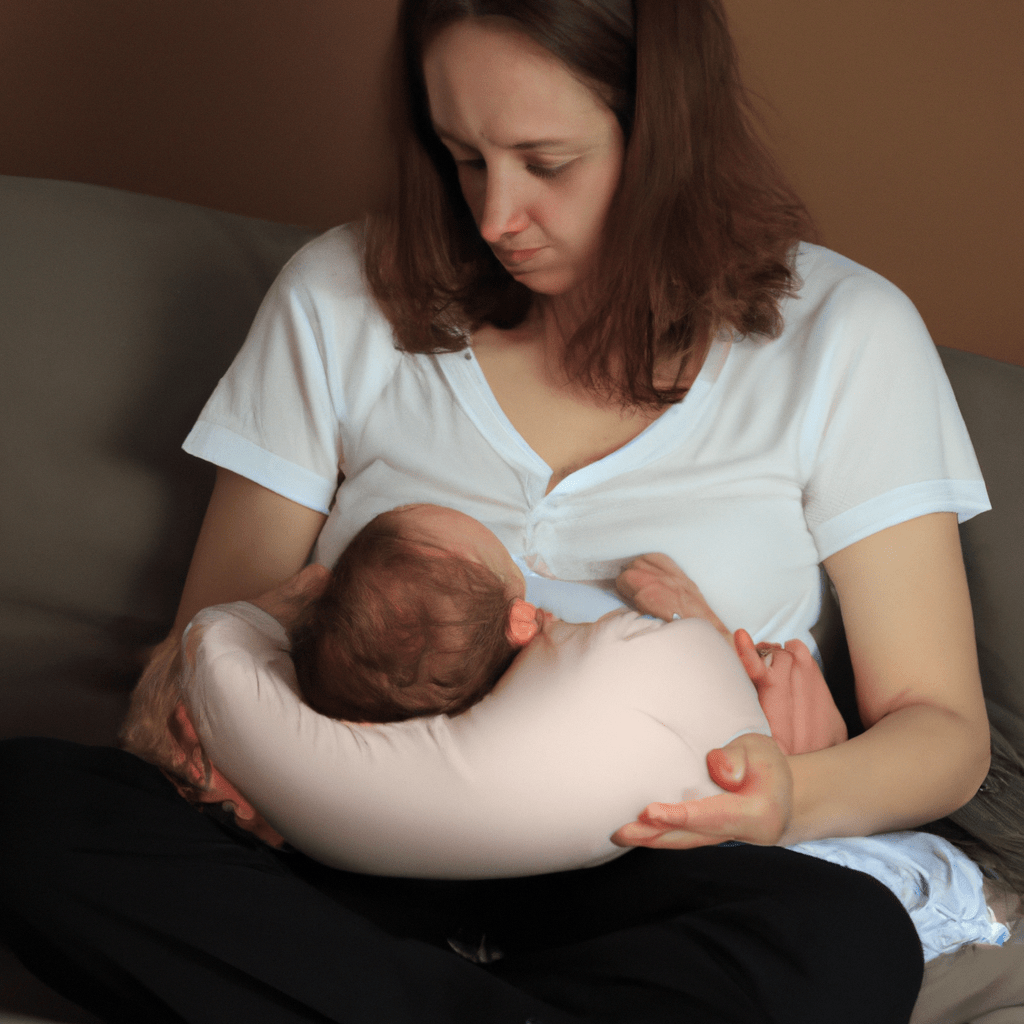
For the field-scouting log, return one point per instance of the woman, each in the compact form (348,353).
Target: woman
(593,246)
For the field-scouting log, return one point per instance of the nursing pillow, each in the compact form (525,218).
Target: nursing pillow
(591,723)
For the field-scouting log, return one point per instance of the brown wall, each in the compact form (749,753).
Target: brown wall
(263,107)
(900,120)
(902,123)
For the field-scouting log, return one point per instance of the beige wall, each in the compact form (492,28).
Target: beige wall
(900,120)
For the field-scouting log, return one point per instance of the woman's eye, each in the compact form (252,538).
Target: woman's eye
(537,170)
(545,172)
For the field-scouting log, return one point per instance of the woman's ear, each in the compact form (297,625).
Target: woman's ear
(522,623)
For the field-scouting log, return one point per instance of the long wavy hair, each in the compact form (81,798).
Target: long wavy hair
(700,234)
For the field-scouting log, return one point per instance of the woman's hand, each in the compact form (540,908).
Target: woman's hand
(803,717)
(289,600)
(204,782)
(159,730)
(793,694)
(654,585)
(756,809)
(196,778)
(206,785)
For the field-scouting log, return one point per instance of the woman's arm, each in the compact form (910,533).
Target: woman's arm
(251,541)
(907,612)
(908,620)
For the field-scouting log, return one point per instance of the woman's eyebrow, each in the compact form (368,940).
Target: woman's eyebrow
(529,144)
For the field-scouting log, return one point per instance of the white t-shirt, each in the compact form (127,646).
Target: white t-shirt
(782,453)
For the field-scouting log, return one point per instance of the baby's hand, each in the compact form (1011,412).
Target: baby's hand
(655,585)
(793,694)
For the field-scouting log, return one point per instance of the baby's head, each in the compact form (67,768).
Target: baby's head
(423,612)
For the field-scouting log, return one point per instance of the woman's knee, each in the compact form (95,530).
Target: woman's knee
(31,768)
(861,942)
(57,800)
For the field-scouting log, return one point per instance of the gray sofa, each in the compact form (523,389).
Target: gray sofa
(118,313)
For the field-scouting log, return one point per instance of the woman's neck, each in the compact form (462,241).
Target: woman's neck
(554,319)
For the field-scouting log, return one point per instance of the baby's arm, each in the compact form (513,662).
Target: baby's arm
(790,687)
(793,694)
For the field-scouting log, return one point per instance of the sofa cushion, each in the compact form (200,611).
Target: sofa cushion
(991,397)
(119,312)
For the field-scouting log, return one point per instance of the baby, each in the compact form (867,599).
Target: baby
(425,610)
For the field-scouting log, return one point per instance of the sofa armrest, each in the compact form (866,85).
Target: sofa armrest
(119,313)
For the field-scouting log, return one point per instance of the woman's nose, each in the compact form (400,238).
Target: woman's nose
(504,208)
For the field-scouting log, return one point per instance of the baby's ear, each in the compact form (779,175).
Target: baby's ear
(522,623)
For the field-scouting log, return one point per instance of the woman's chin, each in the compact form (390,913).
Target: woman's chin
(551,283)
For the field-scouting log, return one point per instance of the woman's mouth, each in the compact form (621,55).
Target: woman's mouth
(516,256)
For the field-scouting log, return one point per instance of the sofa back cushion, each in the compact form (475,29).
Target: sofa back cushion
(991,397)
(119,313)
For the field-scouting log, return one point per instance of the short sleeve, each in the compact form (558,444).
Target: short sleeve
(277,416)
(883,436)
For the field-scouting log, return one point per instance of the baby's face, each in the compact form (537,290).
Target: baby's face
(453,531)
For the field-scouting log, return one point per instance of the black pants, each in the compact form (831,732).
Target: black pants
(127,900)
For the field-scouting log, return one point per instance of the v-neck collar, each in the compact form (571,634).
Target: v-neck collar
(471,389)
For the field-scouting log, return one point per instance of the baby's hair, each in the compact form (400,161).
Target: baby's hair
(403,629)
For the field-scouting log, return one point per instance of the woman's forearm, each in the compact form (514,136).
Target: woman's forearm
(913,766)
(907,612)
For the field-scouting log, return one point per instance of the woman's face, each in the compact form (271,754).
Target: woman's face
(539,154)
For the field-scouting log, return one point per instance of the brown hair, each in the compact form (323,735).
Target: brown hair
(402,630)
(700,233)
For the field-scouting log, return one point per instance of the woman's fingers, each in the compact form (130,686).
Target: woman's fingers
(793,694)
(188,755)
(751,658)
(221,791)
(207,785)
(756,808)
(287,602)
(818,722)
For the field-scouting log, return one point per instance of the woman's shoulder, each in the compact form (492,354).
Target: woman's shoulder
(830,284)
(319,321)
(843,321)
(329,265)
(839,306)
(324,284)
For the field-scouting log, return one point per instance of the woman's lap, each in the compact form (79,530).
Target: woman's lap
(106,873)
